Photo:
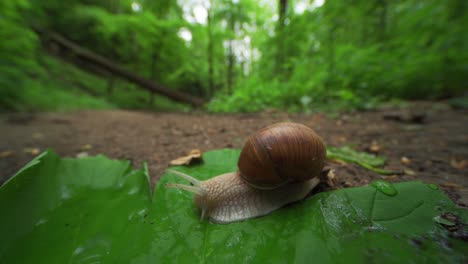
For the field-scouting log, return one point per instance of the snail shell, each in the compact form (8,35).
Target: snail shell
(280,154)
(278,165)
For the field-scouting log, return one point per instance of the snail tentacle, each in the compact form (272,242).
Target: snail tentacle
(189,178)
(197,188)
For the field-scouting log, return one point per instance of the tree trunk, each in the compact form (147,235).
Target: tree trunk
(331,56)
(151,99)
(210,54)
(230,71)
(280,54)
(93,58)
(110,85)
(283,6)
(382,20)
(154,75)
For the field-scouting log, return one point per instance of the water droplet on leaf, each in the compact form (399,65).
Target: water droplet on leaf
(385,187)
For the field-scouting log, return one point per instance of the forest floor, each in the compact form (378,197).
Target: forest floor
(425,141)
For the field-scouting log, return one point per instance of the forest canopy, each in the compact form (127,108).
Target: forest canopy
(234,55)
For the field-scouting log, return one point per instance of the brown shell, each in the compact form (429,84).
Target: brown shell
(281,153)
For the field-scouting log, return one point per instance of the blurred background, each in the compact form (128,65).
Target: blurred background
(229,56)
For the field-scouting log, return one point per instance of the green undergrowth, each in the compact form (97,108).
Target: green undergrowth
(256,95)
(53,85)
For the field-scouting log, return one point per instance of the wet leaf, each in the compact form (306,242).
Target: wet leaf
(385,187)
(363,159)
(98,210)
(72,211)
(346,153)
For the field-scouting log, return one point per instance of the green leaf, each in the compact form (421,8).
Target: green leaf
(99,210)
(363,159)
(68,210)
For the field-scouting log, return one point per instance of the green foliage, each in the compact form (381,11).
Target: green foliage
(25,82)
(306,95)
(338,56)
(354,56)
(17,53)
(94,209)
(140,41)
(57,86)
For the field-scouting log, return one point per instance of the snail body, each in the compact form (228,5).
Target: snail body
(278,165)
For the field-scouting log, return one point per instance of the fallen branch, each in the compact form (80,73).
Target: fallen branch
(96,59)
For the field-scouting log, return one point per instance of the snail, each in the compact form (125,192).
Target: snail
(278,165)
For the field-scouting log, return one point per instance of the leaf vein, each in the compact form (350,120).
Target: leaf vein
(401,216)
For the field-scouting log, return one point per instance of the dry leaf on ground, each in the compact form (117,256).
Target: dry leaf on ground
(462,164)
(329,177)
(5,154)
(82,154)
(405,160)
(375,147)
(37,135)
(451,185)
(32,151)
(409,172)
(195,155)
(86,147)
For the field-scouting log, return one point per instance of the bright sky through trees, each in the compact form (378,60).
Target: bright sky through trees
(195,11)
(185,34)
(301,6)
(136,7)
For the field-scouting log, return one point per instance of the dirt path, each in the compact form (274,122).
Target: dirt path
(432,137)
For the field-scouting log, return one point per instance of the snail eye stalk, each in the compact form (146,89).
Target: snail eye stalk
(196,188)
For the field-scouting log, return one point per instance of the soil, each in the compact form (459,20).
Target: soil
(425,141)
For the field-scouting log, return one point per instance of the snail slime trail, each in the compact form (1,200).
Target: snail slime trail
(278,165)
